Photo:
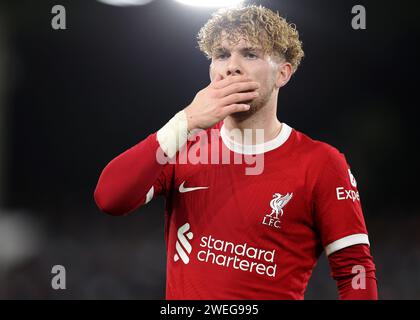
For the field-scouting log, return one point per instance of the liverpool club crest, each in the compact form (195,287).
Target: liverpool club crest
(277,204)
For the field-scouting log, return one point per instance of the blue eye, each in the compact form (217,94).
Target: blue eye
(221,56)
(251,55)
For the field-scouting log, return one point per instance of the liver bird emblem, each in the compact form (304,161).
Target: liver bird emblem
(278,202)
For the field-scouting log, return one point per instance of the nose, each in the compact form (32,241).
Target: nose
(233,67)
(234,71)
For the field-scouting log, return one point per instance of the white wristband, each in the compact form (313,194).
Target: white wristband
(174,134)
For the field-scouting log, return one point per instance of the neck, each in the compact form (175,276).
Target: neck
(264,120)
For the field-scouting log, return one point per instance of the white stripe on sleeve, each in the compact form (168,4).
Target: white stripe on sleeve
(149,195)
(359,238)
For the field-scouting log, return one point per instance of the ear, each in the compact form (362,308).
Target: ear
(284,73)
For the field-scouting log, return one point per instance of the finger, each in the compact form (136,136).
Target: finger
(217,78)
(229,80)
(237,107)
(239,87)
(239,97)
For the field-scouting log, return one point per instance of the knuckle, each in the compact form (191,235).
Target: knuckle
(236,96)
(237,86)
(217,106)
(218,113)
(217,94)
(212,93)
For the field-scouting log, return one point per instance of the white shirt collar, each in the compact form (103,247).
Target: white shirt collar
(249,149)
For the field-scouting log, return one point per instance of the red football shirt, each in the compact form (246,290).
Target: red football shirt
(234,235)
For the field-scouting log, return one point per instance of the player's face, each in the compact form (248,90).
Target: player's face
(244,59)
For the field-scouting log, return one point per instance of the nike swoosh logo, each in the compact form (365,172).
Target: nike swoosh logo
(183,189)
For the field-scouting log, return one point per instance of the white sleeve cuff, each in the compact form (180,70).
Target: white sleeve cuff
(174,134)
(359,238)
(149,195)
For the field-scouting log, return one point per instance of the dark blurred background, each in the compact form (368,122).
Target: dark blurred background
(71,100)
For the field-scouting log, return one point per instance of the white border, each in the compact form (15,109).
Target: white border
(281,138)
(358,238)
(149,195)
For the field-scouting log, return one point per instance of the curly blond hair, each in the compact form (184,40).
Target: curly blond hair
(259,26)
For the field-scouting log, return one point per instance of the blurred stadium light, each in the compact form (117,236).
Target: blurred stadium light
(123,3)
(211,3)
(20,238)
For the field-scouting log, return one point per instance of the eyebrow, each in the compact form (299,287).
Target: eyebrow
(242,50)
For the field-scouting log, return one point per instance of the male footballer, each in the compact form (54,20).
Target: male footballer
(251,203)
